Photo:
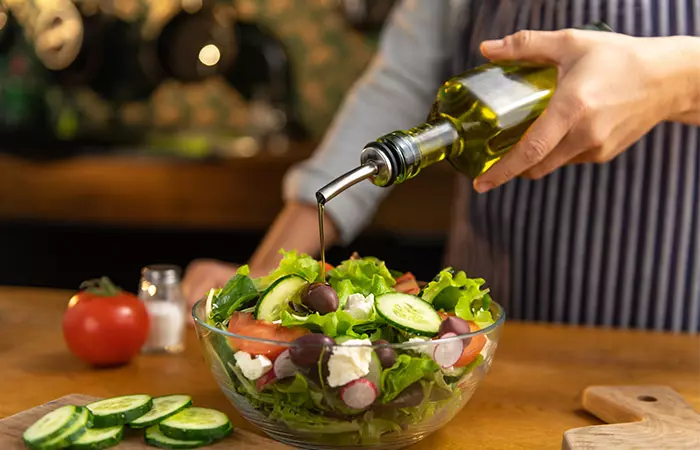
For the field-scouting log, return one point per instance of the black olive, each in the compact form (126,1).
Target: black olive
(306,351)
(387,355)
(456,325)
(320,297)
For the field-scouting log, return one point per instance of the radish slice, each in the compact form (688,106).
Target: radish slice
(446,354)
(267,378)
(359,394)
(283,366)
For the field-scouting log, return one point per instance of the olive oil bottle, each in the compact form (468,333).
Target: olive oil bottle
(477,117)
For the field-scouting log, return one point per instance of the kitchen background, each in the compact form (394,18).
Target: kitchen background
(144,131)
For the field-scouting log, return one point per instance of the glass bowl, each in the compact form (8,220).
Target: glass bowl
(306,413)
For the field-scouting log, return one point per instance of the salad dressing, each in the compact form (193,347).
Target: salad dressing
(321,208)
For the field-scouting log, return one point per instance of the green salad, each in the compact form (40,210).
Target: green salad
(357,353)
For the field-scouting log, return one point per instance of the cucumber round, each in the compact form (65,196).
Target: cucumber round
(156,438)
(163,407)
(50,425)
(99,438)
(119,410)
(272,301)
(409,313)
(197,424)
(71,433)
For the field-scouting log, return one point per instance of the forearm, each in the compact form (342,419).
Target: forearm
(687,80)
(295,228)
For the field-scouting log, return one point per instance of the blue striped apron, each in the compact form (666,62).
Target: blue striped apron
(615,244)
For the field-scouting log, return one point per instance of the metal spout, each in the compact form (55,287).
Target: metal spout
(335,187)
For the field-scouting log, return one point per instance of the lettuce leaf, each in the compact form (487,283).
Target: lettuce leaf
(236,294)
(337,323)
(451,291)
(292,263)
(361,276)
(405,371)
(476,311)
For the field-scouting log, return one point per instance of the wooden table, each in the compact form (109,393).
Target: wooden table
(527,401)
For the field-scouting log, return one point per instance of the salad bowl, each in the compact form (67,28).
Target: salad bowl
(361,357)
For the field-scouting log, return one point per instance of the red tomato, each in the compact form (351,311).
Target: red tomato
(407,284)
(105,326)
(245,325)
(472,350)
(329,267)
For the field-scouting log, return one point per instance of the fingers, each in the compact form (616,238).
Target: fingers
(537,144)
(570,150)
(542,47)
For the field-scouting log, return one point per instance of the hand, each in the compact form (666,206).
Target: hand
(204,274)
(612,89)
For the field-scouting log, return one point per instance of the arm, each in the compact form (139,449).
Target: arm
(395,92)
(687,75)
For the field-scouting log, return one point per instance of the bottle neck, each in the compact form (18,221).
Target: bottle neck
(400,156)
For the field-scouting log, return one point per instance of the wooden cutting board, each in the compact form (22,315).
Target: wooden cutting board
(641,417)
(12,427)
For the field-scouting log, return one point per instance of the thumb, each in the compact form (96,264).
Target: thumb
(540,47)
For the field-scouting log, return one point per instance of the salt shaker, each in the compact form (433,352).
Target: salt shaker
(159,289)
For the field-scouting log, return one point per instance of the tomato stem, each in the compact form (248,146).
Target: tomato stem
(100,286)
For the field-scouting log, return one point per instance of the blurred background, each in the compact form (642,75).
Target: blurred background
(135,132)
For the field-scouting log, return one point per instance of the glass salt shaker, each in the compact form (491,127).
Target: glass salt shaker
(159,289)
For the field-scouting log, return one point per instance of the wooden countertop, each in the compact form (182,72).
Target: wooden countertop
(527,401)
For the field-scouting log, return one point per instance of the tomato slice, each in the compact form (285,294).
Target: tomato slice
(245,324)
(329,267)
(408,276)
(476,344)
(407,284)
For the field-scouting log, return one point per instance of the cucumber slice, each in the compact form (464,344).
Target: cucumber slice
(156,438)
(409,313)
(163,407)
(71,433)
(119,410)
(99,438)
(273,300)
(50,425)
(196,424)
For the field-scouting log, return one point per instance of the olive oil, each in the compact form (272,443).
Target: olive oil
(321,208)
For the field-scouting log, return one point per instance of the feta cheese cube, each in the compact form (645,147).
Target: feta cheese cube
(359,306)
(348,363)
(252,368)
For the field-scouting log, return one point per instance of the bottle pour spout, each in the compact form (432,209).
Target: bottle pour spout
(335,187)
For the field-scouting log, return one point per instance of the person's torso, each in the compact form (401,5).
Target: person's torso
(612,244)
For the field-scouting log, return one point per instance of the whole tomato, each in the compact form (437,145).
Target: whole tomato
(103,325)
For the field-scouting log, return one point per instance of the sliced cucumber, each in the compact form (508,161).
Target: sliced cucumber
(156,438)
(99,438)
(272,301)
(71,433)
(197,424)
(409,313)
(119,410)
(163,407)
(50,425)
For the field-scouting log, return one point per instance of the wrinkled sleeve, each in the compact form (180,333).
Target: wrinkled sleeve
(395,92)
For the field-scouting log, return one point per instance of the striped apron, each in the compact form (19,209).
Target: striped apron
(615,244)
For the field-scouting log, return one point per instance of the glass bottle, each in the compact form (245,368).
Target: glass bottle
(160,290)
(476,118)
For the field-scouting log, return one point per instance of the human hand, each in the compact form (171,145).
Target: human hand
(611,90)
(204,274)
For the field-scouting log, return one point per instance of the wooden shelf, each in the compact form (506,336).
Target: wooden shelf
(242,193)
